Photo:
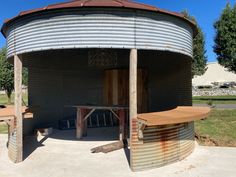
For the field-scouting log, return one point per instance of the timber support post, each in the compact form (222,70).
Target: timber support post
(15,148)
(132,95)
(79,123)
(121,114)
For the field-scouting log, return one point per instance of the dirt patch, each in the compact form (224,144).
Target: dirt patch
(208,141)
(205,140)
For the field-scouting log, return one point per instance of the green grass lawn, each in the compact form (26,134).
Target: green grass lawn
(214,99)
(220,127)
(3,99)
(3,128)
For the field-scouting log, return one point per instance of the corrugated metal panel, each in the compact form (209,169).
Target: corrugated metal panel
(184,84)
(161,145)
(45,91)
(169,80)
(52,85)
(105,28)
(101,3)
(12,145)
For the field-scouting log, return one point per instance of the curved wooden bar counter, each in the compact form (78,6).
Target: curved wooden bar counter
(180,114)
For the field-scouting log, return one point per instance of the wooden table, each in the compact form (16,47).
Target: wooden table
(8,113)
(84,111)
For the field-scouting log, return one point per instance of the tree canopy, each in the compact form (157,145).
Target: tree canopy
(6,74)
(225,39)
(199,52)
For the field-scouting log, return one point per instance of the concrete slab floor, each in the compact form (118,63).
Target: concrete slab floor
(61,155)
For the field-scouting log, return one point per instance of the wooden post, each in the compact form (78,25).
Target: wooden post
(121,114)
(133,85)
(85,126)
(79,123)
(18,107)
(132,94)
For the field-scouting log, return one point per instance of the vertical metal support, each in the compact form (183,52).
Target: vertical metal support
(18,108)
(132,95)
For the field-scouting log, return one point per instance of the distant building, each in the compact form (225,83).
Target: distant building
(215,75)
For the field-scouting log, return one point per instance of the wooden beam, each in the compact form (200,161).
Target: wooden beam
(6,118)
(89,114)
(18,107)
(132,94)
(110,147)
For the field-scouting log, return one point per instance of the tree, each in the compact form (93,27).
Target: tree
(6,74)
(199,52)
(25,76)
(225,39)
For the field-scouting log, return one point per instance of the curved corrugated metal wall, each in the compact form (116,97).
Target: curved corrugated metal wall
(161,145)
(12,145)
(99,28)
(169,86)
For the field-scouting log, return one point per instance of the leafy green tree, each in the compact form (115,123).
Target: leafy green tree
(225,39)
(6,74)
(25,76)
(199,52)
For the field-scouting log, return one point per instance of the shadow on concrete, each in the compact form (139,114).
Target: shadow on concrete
(127,154)
(31,143)
(93,134)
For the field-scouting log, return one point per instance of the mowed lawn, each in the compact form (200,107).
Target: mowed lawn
(214,99)
(3,128)
(219,128)
(4,100)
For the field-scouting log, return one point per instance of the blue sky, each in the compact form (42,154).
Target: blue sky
(205,11)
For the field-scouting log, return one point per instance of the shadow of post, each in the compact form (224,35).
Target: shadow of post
(31,143)
(127,154)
